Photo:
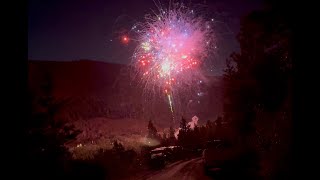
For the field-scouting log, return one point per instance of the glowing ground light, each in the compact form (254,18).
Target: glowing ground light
(172,46)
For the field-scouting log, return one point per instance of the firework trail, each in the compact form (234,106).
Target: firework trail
(173,47)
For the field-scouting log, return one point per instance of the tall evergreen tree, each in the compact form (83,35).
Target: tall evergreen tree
(152,131)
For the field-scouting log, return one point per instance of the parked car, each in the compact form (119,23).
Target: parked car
(161,155)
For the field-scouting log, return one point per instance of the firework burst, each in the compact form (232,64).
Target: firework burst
(173,46)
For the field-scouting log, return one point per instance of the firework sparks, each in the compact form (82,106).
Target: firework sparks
(170,102)
(172,47)
(125,39)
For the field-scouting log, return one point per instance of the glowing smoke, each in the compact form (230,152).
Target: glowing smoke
(177,133)
(192,124)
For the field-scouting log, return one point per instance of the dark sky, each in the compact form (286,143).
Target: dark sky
(65,30)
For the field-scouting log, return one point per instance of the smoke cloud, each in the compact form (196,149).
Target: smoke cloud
(192,124)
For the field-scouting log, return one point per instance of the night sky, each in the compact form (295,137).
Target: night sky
(88,29)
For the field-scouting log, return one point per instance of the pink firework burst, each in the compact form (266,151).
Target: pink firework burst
(172,48)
